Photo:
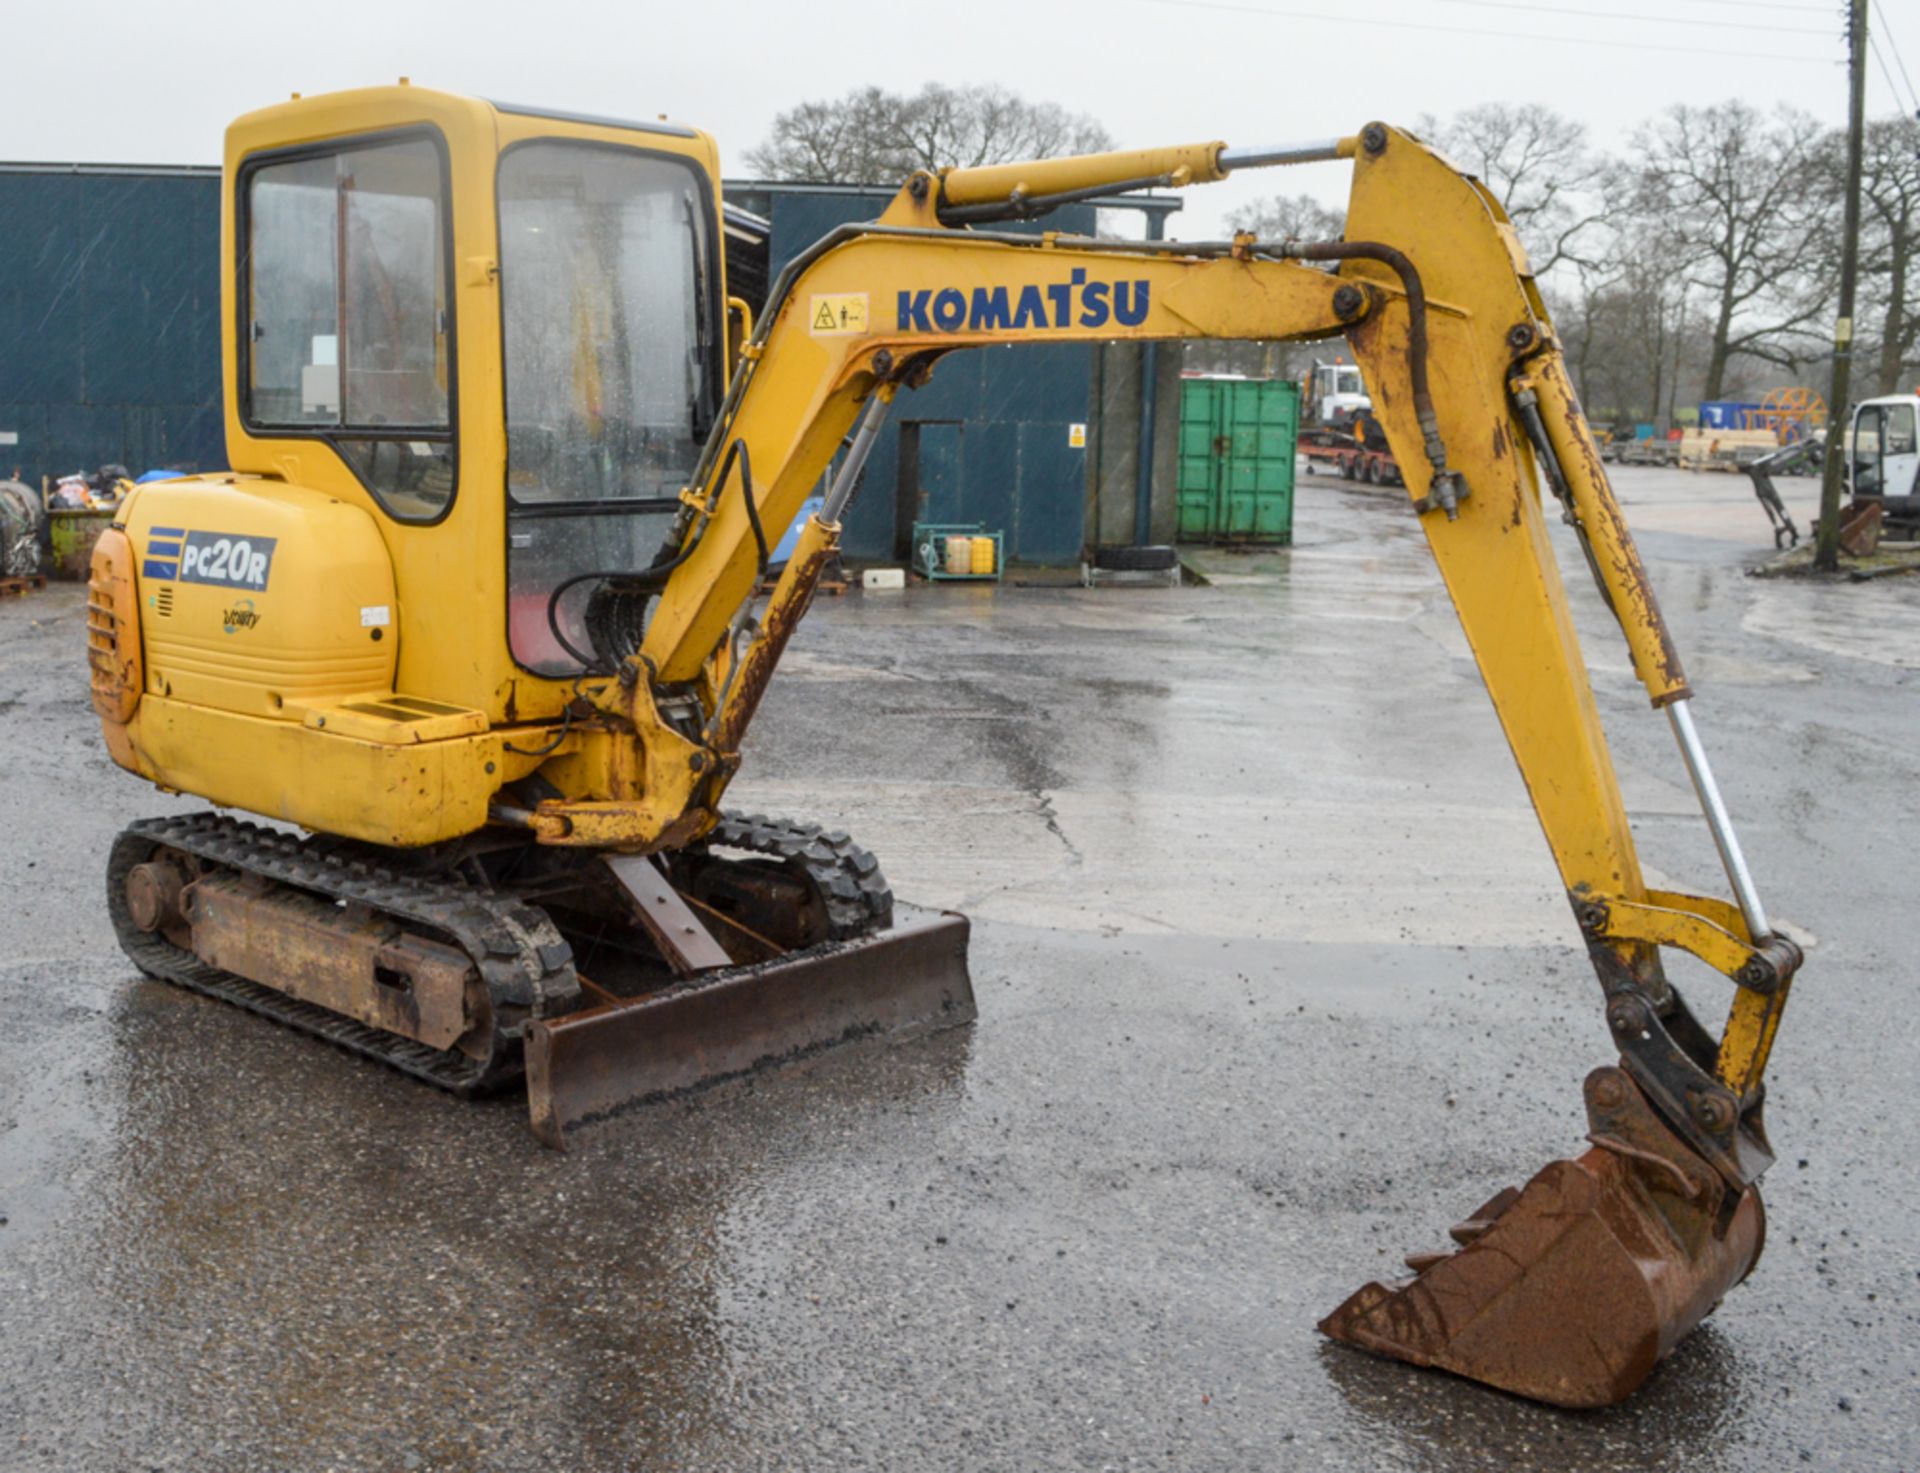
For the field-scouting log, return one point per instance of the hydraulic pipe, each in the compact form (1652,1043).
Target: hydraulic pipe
(1715,808)
(1447,488)
(848,476)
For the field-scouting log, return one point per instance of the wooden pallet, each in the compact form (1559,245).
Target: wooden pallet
(15,587)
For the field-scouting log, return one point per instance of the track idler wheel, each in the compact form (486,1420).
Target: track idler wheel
(156,895)
(1573,1289)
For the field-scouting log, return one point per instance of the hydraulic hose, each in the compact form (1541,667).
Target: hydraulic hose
(1449,488)
(651,580)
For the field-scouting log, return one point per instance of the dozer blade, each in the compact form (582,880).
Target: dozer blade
(908,979)
(1572,1290)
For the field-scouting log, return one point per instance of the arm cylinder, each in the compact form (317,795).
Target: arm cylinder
(1616,561)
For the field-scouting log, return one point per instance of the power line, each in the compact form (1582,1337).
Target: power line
(1410,25)
(1661,20)
(1757,4)
(1894,46)
(1897,101)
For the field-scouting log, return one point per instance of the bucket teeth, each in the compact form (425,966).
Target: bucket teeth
(1571,1290)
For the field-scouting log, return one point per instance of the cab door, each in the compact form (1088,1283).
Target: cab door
(1885,458)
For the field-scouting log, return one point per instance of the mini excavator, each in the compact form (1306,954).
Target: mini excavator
(476,622)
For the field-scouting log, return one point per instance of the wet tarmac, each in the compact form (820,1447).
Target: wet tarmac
(1274,985)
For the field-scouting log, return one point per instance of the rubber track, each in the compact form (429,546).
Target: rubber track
(847,878)
(526,964)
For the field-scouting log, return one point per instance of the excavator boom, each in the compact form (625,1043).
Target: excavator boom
(1573,1289)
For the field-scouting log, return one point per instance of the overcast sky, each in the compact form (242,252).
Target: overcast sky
(113,81)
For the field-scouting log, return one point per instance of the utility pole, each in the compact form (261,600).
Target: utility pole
(1826,551)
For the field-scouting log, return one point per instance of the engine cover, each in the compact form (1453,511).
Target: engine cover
(259,597)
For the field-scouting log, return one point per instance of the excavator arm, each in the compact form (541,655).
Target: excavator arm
(1434,293)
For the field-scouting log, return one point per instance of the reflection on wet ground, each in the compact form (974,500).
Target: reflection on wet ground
(1274,986)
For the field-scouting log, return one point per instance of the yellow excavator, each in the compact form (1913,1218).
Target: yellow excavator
(476,621)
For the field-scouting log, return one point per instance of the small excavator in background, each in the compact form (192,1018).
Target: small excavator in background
(1883,465)
(477,620)
(1882,461)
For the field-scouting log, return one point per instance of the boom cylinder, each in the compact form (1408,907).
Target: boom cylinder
(1199,162)
(1187,163)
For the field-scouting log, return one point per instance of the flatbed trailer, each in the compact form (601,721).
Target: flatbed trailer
(1334,452)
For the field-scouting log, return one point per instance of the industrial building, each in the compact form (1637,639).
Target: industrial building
(110,353)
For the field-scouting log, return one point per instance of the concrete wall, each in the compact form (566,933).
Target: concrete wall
(110,351)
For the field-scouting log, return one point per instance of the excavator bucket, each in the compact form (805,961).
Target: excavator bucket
(910,978)
(1571,1290)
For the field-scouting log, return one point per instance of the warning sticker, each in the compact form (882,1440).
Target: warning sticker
(1076,437)
(838,314)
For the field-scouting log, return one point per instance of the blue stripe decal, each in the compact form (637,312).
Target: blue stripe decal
(152,569)
(159,548)
(166,531)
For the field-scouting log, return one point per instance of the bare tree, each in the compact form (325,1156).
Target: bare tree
(1537,163)
(872,136)
(1626,329)
(1890,200)
(1743,203)
(1289,217)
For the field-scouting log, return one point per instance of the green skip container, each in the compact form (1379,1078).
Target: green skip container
(1237,443)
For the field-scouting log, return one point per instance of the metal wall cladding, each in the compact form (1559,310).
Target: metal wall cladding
(110,320)
(110,352)
(1237,444)
(993,443)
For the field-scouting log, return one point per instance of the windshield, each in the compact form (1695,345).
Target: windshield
(611,379)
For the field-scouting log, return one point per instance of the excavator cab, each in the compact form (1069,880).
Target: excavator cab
(599,307)
(473,354)
(484,611)
(1883,464)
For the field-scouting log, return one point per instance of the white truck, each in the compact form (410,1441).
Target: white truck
(1341,435)
(1335,392)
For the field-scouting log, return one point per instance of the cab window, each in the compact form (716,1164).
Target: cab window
(347,328)
(1899,429)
